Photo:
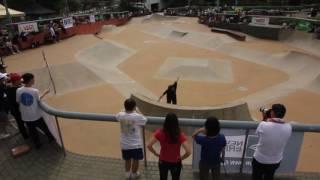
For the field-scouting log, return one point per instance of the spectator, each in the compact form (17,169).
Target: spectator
(3,68)
(12,47)
(273,137)
(3,107)
(171,139)
(52,33)
(28,98)
(314,12)
(212,147)
(171,93)
(131,141)
(15,80)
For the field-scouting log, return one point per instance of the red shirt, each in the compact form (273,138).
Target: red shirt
(169,152)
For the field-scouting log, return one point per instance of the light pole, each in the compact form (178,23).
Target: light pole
(67,8)
(7,12)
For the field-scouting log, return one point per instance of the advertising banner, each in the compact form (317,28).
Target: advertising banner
(28,27)
(92,18)
(67,22)
(304,26)
(236,148)
(262,21)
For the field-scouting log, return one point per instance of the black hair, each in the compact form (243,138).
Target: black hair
(279,110)
(171,128)
(212,126)
(27,77)
(129,104)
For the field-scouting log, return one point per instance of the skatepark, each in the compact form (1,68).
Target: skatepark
(96,73)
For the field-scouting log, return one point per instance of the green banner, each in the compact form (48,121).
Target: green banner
(304,26)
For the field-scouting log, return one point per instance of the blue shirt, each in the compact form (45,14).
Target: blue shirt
(211,148)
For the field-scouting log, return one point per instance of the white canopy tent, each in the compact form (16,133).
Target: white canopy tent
(13,13)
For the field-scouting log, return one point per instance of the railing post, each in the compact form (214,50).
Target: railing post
(60,136)
(244,150)
(144,147)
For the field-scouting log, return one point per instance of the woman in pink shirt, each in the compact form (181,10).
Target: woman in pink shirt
(171,139)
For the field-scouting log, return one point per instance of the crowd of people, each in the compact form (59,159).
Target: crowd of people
(273,133)
(20,100)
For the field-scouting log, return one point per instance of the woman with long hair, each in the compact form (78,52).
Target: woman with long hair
(171,139)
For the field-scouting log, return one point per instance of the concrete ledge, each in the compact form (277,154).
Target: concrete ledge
(149,107)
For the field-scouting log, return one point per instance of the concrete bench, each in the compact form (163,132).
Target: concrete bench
(236,35)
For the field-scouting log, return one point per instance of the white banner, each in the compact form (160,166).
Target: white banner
(235,146)
(260,21)
(67,22)
(92,18)
(28,27)
(52,126)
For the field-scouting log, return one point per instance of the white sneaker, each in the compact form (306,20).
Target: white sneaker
(128,175)
(4,135)
(135,175)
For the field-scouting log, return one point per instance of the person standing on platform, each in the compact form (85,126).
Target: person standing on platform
(3,106)
(171,139)
(212,148)
(15,80)
(28,98)
(171,93)
(273,135)
(131,140)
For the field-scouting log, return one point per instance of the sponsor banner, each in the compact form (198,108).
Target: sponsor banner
(236,146)
(67,22)
(260,21)
(28,27)
(304,26)
(92,18)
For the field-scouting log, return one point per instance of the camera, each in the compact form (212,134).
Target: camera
(266,113)
(264,110)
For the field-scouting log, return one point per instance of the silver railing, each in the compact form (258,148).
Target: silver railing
(228,124)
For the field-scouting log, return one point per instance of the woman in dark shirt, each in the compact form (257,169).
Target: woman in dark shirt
(212,145)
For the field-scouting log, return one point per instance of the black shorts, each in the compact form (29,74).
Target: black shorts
(135,154)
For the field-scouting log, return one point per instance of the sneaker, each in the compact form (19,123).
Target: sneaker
(4,135)
(128,175)
(135,175)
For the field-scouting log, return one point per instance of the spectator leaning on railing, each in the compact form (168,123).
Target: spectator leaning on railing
(131,140)
(28,98)
(274,134)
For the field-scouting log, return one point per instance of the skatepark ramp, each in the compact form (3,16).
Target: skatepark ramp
(235,111)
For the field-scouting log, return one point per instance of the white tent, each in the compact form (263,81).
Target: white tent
(12,12)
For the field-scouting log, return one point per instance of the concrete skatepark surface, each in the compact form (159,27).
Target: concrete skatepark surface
(96,75)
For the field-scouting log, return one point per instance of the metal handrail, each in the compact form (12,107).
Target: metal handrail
(229,124)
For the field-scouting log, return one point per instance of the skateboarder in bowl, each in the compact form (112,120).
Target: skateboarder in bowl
(171,93)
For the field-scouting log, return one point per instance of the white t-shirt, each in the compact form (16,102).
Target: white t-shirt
(130,124)
(273,138)
(28,98)
(52,32)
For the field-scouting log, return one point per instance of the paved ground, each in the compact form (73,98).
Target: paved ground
(50,163)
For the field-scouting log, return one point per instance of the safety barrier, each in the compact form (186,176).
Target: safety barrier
(241,133)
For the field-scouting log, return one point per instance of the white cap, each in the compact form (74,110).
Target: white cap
(3,75)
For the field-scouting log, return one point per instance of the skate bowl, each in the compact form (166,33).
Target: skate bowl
(235,111)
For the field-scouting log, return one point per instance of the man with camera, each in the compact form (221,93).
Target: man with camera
(274,134)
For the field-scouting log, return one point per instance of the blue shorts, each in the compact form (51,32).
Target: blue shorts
(135,154)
